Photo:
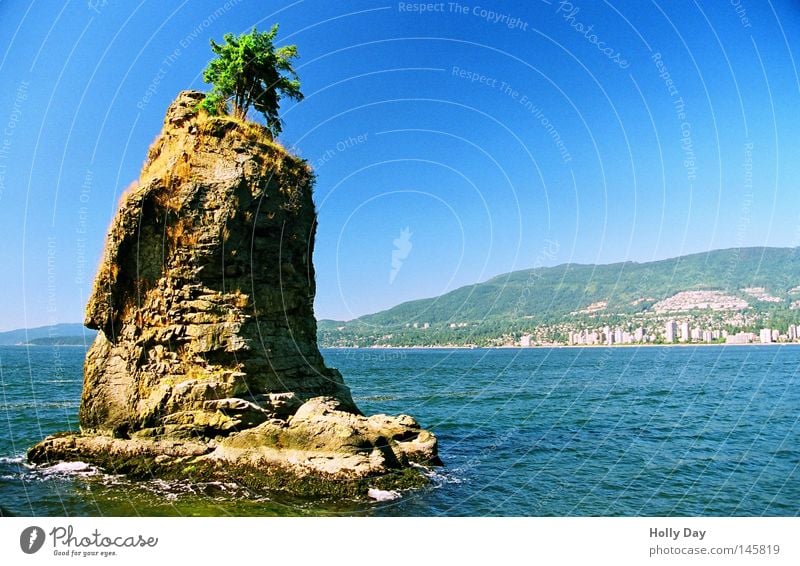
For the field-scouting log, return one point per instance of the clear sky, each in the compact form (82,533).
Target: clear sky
(501,135)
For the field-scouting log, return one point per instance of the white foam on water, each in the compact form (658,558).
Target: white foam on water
(68,468)
(382,495)
(439,477)
(12,459)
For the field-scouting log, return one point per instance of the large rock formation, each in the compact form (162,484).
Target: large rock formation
(206,358)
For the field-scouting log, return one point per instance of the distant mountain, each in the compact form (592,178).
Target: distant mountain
(58,334)
(767,278)
(62,341)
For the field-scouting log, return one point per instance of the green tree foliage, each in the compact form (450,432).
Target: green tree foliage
(250,72)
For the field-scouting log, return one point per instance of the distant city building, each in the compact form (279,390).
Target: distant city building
(684,332)
(671,331)
(740,338)
(694,330)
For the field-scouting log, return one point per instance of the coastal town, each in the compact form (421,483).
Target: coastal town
(672,333)
(688,317)
(751,315)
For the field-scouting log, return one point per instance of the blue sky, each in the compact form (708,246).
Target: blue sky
(503,135)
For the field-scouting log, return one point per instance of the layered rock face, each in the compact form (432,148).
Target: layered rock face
(205,291)
(207,337)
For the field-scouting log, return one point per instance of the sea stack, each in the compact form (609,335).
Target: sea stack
(206,362)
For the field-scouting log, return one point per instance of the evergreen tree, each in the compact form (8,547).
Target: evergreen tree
(250,72)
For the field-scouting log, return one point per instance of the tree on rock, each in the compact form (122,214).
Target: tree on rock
(249,71)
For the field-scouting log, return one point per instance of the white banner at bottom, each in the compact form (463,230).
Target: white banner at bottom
(389,541)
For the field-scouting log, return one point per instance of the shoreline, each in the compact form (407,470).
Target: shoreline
(559,346)
(543,347)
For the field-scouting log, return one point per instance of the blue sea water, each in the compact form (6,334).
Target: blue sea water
(618,431)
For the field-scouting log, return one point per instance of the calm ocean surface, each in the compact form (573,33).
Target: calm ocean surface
(622,431)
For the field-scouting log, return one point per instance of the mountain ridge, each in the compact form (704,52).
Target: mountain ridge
(42,333)
(766,274)
(552,295)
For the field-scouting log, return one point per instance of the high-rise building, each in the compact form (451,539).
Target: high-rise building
(792,332)
(739,338)
(708,336)
(765,335)
(671,331)
(638,334)
(684,332)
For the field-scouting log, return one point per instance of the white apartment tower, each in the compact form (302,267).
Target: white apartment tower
(671,331)
(684,332)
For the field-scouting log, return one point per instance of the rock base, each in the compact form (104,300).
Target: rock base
(319,451)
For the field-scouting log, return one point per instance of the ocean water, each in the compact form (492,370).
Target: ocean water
(543,432)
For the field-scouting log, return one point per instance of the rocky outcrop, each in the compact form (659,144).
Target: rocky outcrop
(206,356)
